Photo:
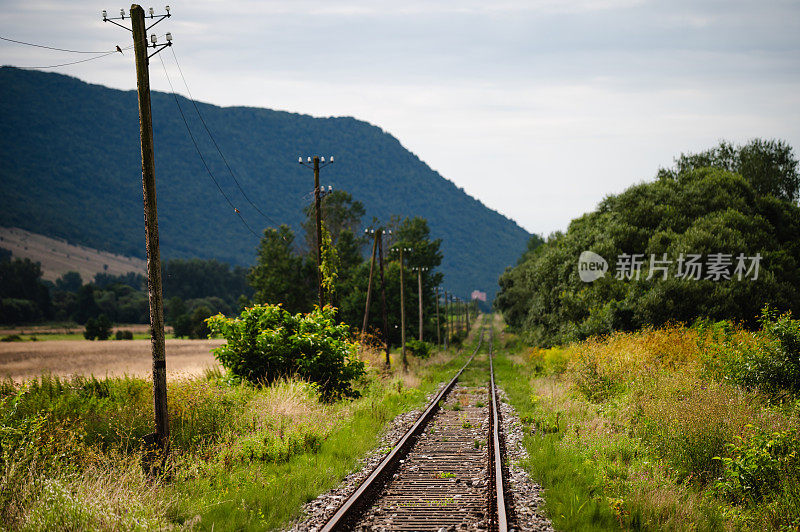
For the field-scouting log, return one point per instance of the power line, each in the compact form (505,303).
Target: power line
(73,62)
(61,49)
(228,166)
(196,147)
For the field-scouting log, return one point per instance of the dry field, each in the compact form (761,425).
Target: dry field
(43,330)
(58,257)
(22,360)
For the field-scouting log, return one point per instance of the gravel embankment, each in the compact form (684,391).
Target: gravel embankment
(526,495)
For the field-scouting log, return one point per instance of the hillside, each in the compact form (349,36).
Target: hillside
(70,169)
(57,257)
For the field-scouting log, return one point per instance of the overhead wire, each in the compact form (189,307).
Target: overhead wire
(213,140)
(60,49)
(196,147)
(73,62)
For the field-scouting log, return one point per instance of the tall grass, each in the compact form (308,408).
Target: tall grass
(243,457)
(658,426)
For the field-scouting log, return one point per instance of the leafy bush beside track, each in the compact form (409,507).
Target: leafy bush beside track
(266,343)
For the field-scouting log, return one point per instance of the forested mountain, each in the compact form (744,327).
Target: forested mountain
(70,168)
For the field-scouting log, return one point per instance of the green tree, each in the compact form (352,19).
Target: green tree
(182,326)
(692,209)
(339,212)
(134,280)
(174,308)
(98,328)
(21,279)
(69,282)
(280,275)
(768,165)
(406,232)
(104,326)
(86,305)
(196,278)
(199,327)
(90,329)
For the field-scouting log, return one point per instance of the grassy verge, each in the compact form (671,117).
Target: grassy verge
(642,431)
(244,457)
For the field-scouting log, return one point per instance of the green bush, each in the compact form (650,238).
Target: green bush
(267,342)
(124,335)
(418,348)
(99,328)
(199,327)
(457,339)
(11,338)
(759,464)
(182,326)
(771,363)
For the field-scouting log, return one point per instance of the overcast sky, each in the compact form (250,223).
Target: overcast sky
(538,108)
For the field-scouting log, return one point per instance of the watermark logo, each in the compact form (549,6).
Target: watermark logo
(690,266)
(591,266)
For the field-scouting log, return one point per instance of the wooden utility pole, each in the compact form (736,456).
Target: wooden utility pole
(402,313)
(369,283)
(419,283)
(151,229)
(383,302)
(438,325)
(318,209)
(447,329)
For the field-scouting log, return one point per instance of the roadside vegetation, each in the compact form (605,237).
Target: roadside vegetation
(244,455)
(669,428)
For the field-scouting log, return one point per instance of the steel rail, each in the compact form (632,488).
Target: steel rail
(497,495)
(349,511)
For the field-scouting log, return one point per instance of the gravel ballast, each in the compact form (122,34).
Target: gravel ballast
(526,495)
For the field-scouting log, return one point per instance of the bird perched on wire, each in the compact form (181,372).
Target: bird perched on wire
(119,49)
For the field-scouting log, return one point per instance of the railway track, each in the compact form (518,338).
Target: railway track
(445,473)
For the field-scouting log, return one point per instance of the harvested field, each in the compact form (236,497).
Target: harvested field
(44,330)
(22,360)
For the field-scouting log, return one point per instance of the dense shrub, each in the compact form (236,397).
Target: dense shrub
(759,463)
(419,349)
(267,342)
(124,335)
(457,338)
(768,360)
(99,328)
(182,326)
(197,320)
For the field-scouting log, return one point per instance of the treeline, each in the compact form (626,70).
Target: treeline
(285,273)
(717,236)
(188,285)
